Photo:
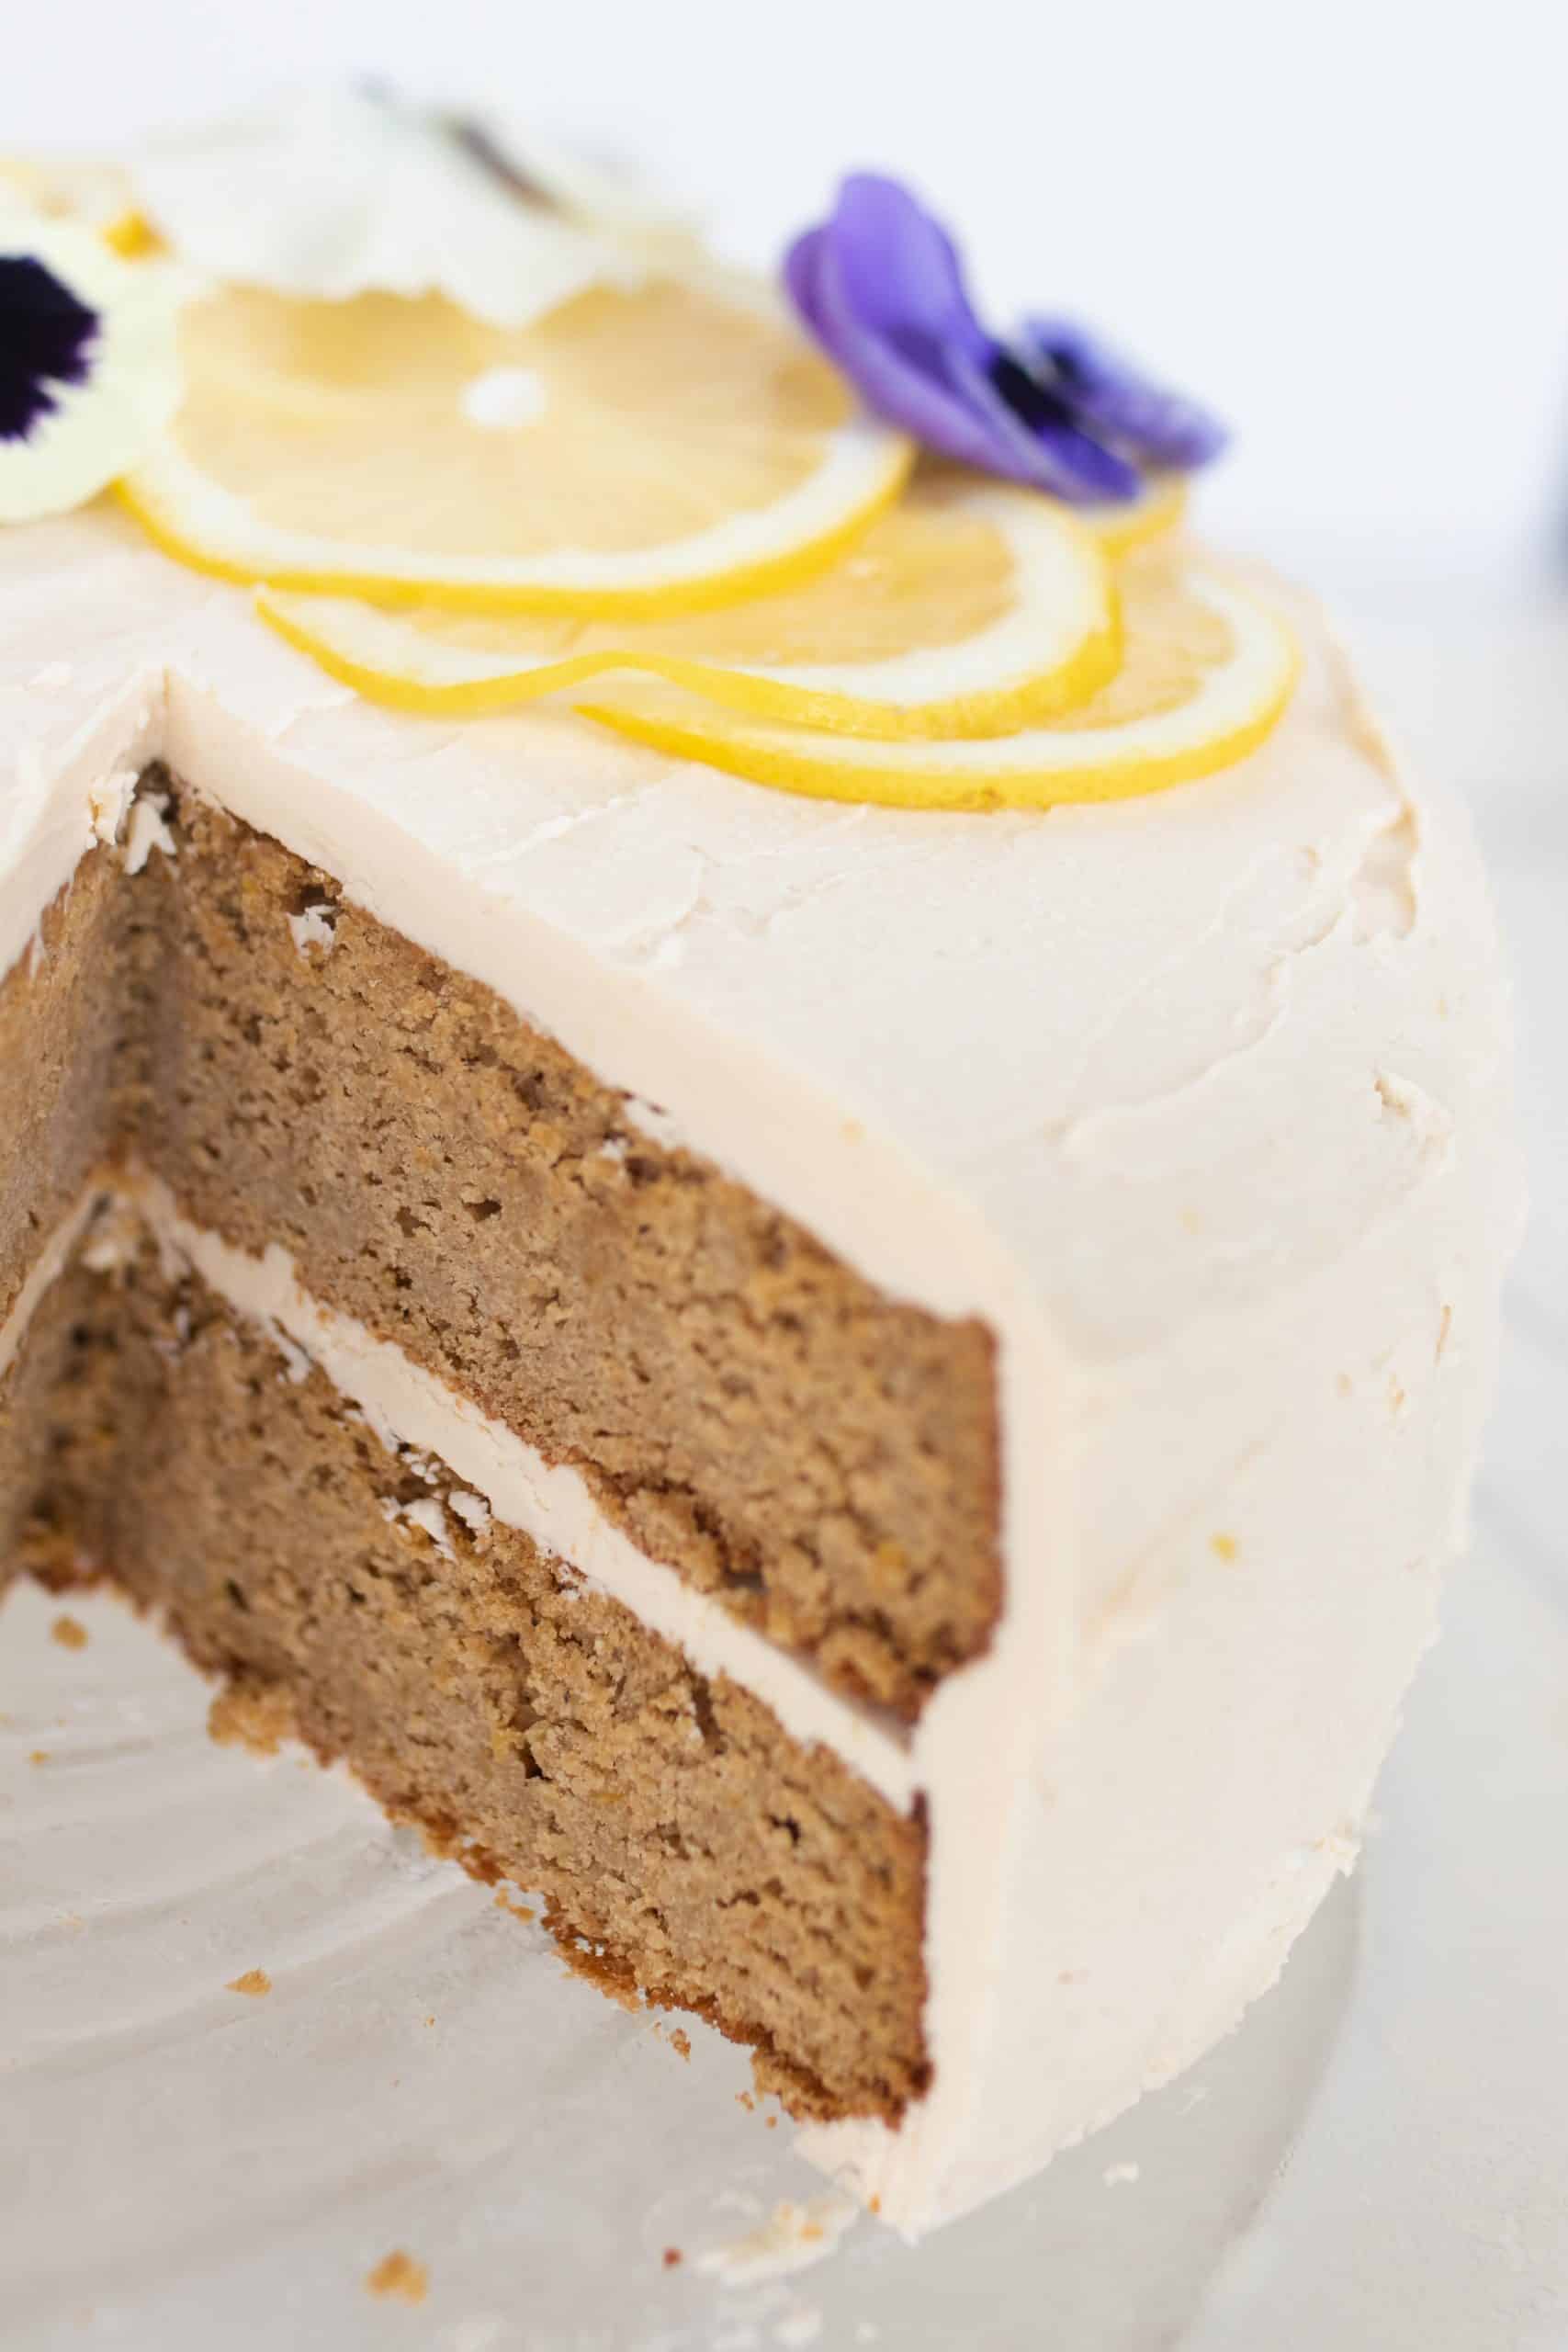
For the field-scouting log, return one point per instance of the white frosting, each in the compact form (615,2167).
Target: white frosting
(315,927)
(1199,1100)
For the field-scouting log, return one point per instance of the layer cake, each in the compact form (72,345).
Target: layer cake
(870,1399)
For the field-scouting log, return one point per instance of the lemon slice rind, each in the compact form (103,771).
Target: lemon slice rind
(1233,707)
(1056,642)
(1159,507)
(863,468)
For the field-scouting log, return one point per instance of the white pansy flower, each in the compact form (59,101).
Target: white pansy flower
(89,373)
(326,194)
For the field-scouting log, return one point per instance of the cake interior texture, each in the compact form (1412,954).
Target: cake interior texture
(818,1458)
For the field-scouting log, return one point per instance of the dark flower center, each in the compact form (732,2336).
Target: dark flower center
(46,337)
(1064,363)
(1032,402)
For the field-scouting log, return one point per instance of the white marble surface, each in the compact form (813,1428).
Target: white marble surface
(1377,2160)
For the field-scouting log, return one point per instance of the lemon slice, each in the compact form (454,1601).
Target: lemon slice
(1135,523)
(1207,673)
(964,610)
(635,450)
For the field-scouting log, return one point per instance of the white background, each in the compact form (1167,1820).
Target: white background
(1345,222)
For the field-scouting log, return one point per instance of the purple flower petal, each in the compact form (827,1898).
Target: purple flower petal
(1112,396)
(912,393)
(801,263)
(899,271)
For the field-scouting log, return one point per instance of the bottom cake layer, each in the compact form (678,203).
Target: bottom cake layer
(358,1597)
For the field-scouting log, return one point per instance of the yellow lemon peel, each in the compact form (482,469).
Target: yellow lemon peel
(1209,672)
(968,609)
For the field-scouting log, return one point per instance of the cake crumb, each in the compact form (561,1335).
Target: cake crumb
(1224,1547)
(399,2274)
(745,2100)
(1114,2175)
(256,1982)
(38,1756)
(430,2021)
(772,2122)
(681,2043)
(519,1910)
(612,1976)
(253,1715)
(69,1633)
(672,2257)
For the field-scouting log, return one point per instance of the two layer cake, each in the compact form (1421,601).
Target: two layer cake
(867,1393)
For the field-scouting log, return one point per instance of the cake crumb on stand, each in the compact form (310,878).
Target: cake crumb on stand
(254,1982)
(399,2276)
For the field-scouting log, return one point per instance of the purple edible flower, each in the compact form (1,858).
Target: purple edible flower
(46,337)
(880,287)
